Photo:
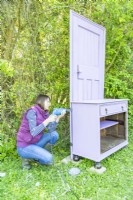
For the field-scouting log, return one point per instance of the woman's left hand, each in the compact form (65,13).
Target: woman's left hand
(60,116)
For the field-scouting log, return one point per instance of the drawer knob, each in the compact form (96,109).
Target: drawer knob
(122,107)
(106,110)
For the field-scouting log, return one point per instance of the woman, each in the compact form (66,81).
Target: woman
(30,137)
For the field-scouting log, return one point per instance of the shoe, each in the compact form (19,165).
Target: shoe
(25,164)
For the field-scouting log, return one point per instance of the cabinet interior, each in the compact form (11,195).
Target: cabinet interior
(112,131)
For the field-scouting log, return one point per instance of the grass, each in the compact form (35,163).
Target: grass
(54,182)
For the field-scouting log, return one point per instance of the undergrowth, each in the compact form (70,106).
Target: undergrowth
(54,182)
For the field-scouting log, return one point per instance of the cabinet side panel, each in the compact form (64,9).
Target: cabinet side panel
(85,131)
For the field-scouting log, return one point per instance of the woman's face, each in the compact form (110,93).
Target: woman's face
(47,104)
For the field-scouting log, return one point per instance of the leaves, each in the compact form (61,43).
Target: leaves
(6,69)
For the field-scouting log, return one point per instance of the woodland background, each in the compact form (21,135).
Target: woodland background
(35,56)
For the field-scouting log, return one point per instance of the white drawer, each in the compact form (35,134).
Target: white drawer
(108,109)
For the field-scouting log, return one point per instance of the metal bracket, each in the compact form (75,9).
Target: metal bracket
(71,144)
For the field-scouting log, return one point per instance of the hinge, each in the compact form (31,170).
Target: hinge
(71,144)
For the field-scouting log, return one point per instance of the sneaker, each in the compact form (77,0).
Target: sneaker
(25,164)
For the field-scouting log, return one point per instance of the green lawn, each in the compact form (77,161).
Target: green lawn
(54,182)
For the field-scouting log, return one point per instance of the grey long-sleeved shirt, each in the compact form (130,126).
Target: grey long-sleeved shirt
(34,129)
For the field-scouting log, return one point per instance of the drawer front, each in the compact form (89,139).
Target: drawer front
(113,108)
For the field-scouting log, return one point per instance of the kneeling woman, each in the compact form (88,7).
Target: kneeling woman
(31,139)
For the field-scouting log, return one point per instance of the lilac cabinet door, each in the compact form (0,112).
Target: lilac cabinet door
(87,55)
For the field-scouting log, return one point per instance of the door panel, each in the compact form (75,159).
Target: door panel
(87,50)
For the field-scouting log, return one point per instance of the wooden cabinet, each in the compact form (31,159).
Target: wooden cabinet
(99,127)
(96,136)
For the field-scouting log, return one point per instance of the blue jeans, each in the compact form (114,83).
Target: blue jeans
(36,151)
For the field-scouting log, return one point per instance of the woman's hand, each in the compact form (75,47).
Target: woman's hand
(51,118)
(60,116)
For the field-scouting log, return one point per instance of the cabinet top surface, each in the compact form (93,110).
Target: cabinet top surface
(100,101)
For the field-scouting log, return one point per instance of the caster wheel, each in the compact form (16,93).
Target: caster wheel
(125,147)
(76,158)
(97,165)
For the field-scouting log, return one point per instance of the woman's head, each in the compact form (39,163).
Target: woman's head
(43,101)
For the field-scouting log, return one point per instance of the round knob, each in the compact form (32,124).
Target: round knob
(122,107)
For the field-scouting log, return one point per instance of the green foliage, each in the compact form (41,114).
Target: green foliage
(6,69)
(8,148)
(53,182)
(35,53)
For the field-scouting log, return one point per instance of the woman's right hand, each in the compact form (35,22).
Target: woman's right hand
(51,118)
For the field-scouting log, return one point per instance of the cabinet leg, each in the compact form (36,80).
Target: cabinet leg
(97,165)
(125,147)
(76,158)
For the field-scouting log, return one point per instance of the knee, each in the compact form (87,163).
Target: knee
(54,137)
(49,160)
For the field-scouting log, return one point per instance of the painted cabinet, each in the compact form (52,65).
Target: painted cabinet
(98,126)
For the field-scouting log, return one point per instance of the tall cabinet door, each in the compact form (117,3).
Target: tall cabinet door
(87,50)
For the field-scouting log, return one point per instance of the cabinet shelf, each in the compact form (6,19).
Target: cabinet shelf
(107,123)
(108,142)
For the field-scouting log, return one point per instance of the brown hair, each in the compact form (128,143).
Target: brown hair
(41,99)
